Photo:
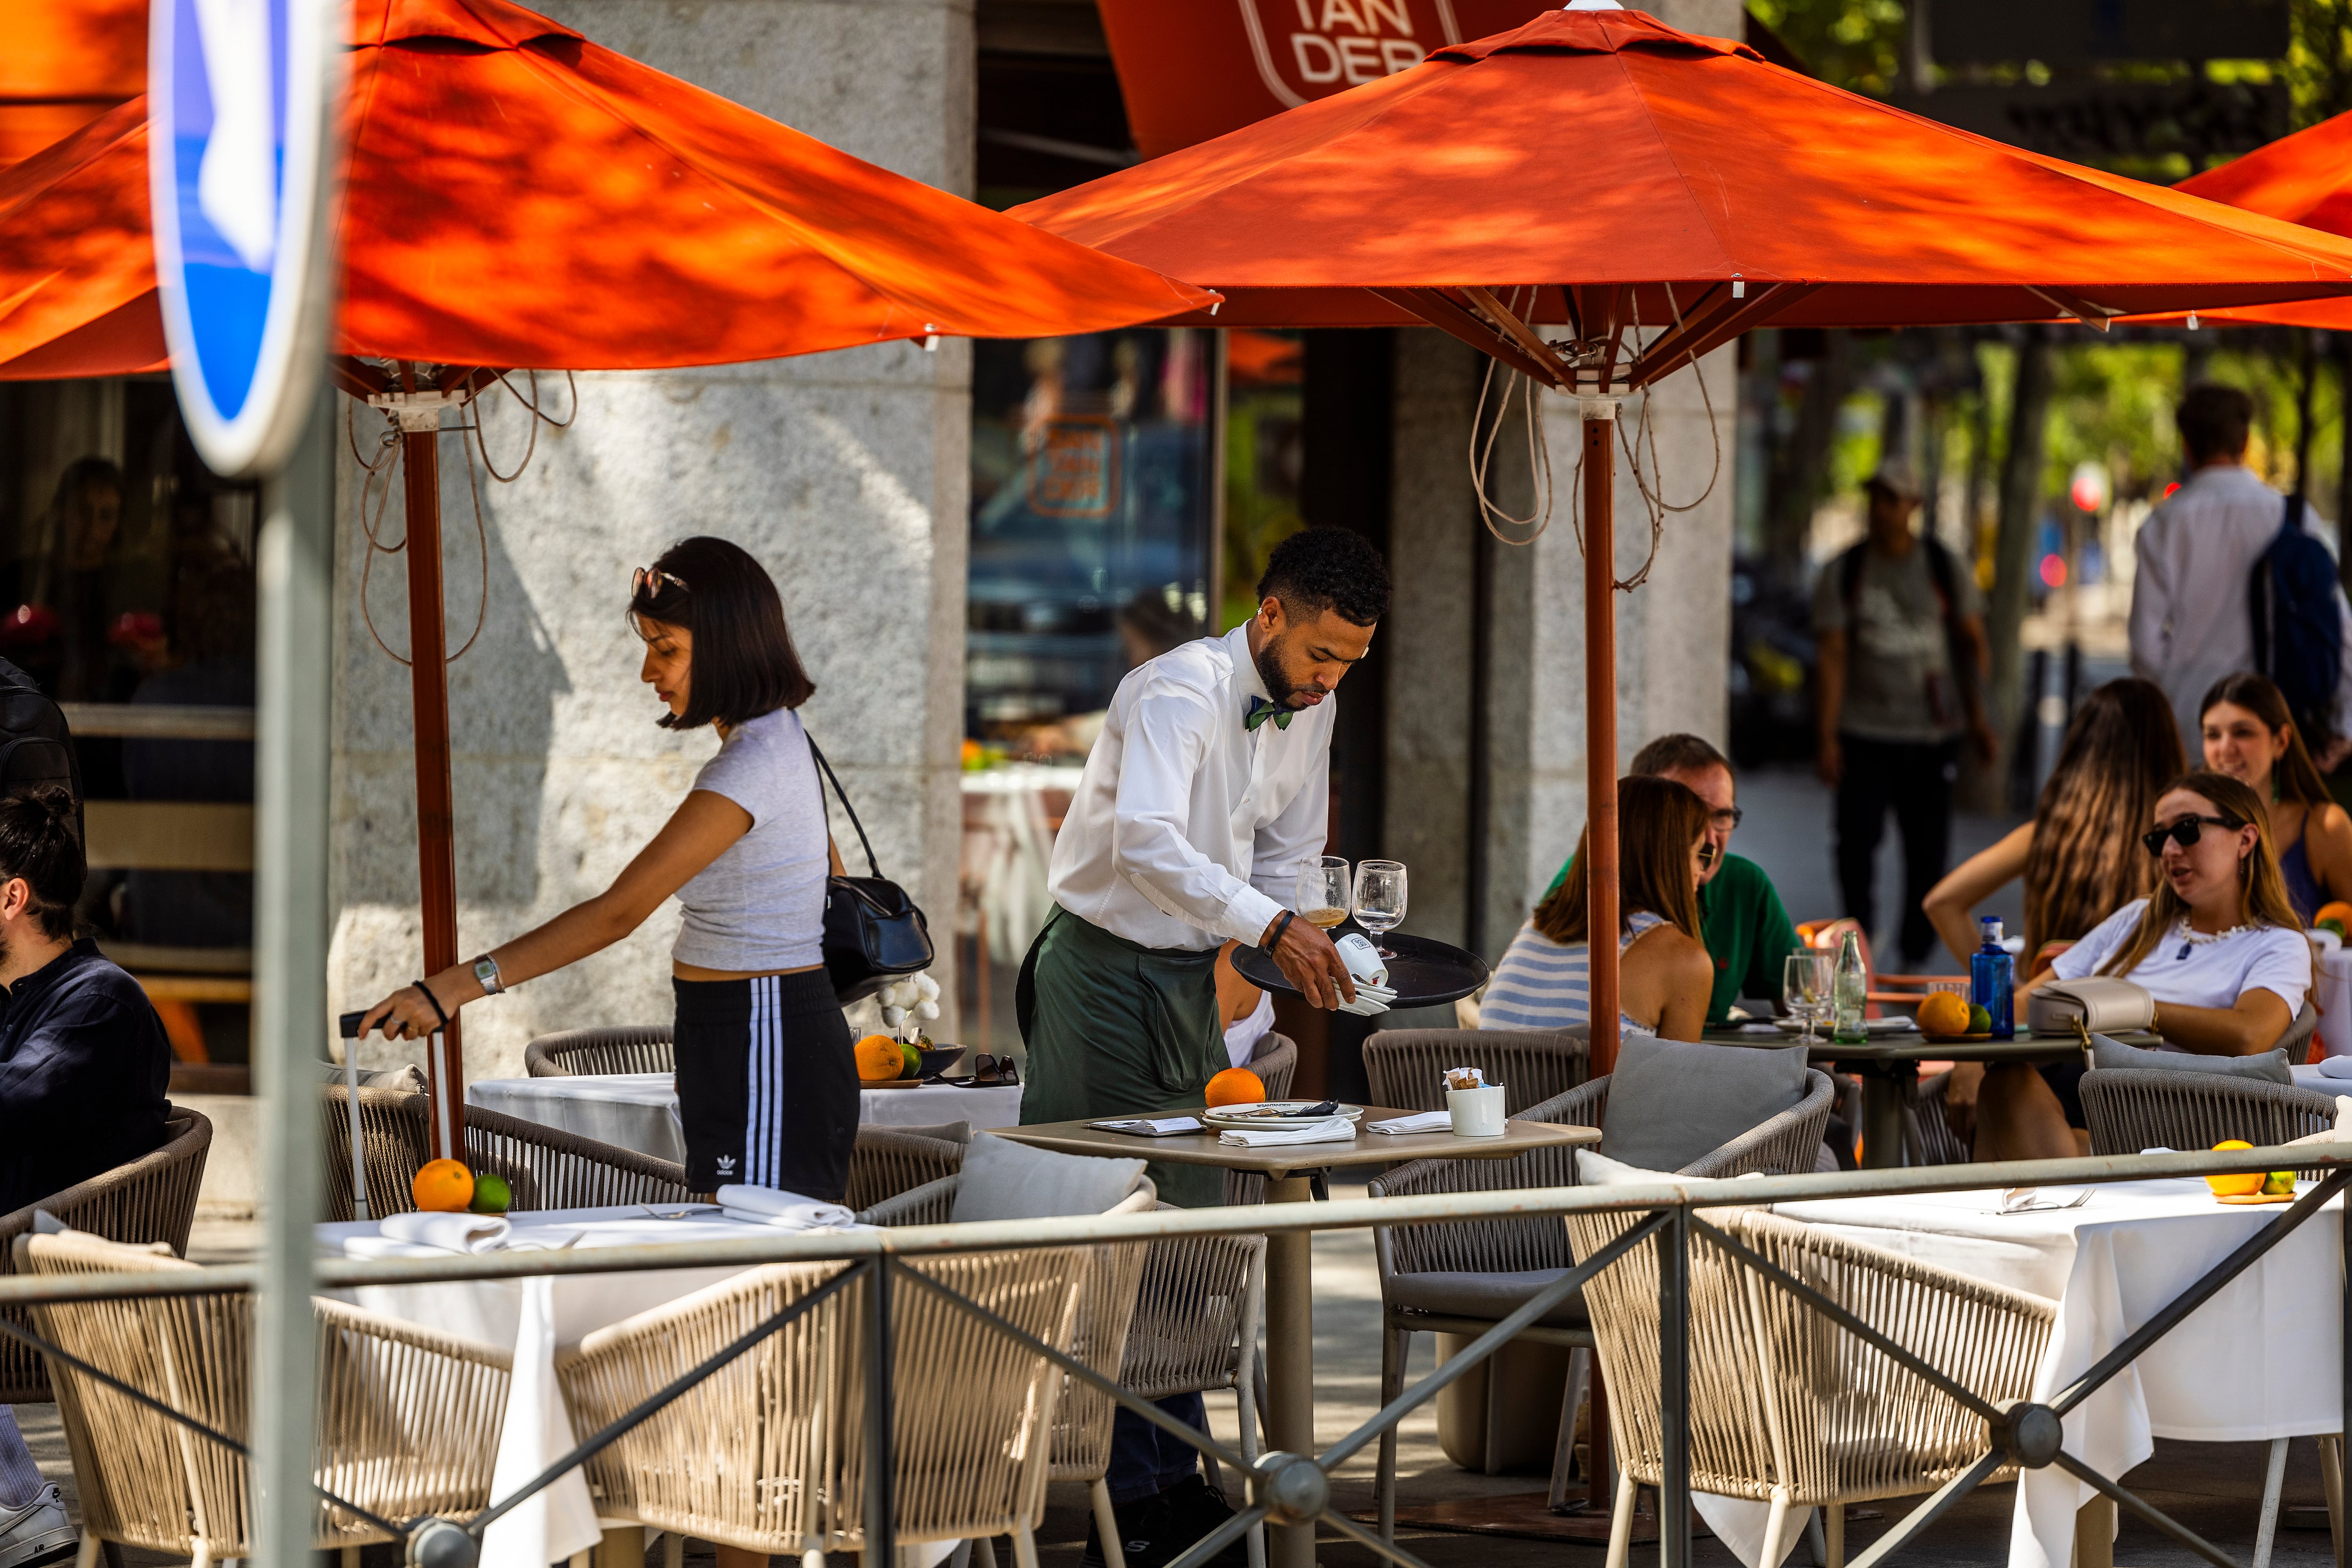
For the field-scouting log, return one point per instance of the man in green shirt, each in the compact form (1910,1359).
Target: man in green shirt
(1746,931)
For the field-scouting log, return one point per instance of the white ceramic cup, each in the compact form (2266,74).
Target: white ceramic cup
(1478,1112)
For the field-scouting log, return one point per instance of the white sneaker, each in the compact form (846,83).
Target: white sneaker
(38,1534)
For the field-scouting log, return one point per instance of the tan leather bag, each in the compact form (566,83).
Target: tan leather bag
(2099,1004)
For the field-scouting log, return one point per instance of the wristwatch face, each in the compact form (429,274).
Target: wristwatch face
(487,973)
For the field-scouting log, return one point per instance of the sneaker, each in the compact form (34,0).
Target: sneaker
(1194,1509)
(38,1534)
(1145,1539)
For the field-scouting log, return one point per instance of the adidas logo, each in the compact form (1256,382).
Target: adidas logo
(726,1164)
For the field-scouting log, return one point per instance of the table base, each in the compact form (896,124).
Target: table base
(1526,1516)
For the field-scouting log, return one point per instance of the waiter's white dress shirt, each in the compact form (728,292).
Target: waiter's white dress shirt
(2189,621)
(1187,828)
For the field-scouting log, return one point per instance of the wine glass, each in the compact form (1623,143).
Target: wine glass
(1322,896)
(1379,898)
(1806,979)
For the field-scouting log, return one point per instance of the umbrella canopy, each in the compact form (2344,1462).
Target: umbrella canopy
(1595,149)
(518,196)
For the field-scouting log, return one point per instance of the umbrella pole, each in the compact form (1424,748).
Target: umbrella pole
(1601,719)
(436,813)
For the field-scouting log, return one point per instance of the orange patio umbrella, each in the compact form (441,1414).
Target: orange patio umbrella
(1596,199)
(515,196)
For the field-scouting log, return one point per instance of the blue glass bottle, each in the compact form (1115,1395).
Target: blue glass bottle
(1990,985)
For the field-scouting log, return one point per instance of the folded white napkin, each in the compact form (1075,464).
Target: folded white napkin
(1370,1000)
(2335,1067)
(786,1211)
(1330,1129)
(449,1232)
(1426,1122)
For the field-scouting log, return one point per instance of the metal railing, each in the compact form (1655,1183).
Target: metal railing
(1294,1489)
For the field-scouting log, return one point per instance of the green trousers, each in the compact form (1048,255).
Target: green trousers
(1115,1028)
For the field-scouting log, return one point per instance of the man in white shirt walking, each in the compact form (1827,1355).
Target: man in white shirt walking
(1208,790)
(2190,624)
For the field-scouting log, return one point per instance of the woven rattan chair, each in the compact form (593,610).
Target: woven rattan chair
(2132,1109)
(407,1420)
(1785,1407)
(1463,1277)
(768,1454)
(1407,1066)
(888,1160)
(152,1199)
(547,1168)
(574,1053)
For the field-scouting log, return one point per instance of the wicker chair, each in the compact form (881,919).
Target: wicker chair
(548,1169)
(152,1199)
(888,1160)
(769,1455)
(1407,1066)
(1785,1407)
(2132,1109)
(1463,1277)
(407,1421)
(574,1053)
(1274,1060)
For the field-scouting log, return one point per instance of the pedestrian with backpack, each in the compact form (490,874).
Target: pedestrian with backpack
(2232,577)
(1900,679)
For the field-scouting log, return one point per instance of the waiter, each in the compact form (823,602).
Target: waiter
(1207,791)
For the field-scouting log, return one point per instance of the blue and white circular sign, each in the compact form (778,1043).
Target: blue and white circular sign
(239,142)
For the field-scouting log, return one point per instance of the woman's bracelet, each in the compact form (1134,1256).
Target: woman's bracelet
(433,1002)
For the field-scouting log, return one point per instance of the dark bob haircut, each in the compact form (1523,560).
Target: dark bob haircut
(37,843)
(1319,569)
(744,664)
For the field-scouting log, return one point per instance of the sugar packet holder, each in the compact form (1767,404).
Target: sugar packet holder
(1465,1078)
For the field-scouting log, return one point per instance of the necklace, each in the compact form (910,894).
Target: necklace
(2189,938)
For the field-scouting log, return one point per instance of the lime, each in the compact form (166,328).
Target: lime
(491,1193)
(913,1058)
(2278,1181)
(2331,923)
(1980,1021)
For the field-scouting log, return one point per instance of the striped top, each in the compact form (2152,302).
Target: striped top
(1546,984)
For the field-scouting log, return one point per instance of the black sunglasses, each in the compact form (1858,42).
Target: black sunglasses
(2185,832)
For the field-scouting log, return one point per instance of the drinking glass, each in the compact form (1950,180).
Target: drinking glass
(1322,898)
(1379,898)
(1806,979)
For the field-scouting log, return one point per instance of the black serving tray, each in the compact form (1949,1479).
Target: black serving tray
(1424,973)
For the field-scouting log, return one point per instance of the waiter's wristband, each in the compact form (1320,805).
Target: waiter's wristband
(1281,924)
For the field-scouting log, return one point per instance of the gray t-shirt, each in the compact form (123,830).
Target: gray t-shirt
(760,907)
(1899,663)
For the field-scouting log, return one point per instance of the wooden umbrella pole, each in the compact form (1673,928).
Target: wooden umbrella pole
(435,812)
(1601,719)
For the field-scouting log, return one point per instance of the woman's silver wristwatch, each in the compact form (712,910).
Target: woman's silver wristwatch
(486,972)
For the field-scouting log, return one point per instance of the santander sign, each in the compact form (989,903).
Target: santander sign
(1309,48)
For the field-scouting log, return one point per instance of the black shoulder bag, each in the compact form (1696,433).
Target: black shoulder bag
(873,931)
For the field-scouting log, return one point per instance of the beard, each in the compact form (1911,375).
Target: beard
(1278,688)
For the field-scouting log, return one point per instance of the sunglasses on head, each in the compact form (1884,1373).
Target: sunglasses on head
(652,582)
(2185,832)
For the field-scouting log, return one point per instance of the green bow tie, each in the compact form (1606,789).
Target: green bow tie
(1260,711)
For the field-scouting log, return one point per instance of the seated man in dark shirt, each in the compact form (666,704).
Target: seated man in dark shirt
(84,1066)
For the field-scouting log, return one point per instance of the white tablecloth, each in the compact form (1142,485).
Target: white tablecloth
(537,1316)
(639,1110)
(2260,1360)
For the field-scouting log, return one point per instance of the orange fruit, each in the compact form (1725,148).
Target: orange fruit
(1235,1085)
(2240,1183)
(2339,912)
(1943,1014)
(442,1186)
(879,1059)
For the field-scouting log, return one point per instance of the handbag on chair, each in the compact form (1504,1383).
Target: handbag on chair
(2095,1004)
(873,931)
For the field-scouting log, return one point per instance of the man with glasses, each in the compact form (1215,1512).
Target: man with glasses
(1745,928)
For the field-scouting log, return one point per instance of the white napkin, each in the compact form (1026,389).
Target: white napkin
(1370,1000)
(786,1211)
(1330,1129)
(449,1232)
(1426,1122)
(2335,1067)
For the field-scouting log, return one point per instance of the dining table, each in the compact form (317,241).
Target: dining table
(1289,1255)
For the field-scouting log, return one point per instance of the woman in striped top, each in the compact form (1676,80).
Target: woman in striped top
(1664,976)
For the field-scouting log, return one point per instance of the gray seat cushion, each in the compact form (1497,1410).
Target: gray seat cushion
(2270,1066)
(1671,1101)
(1486,1296)
(945,1132)
(1004,1179)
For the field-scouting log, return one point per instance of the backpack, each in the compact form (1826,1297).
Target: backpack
(36,744)
(1941,570)
(2298,636)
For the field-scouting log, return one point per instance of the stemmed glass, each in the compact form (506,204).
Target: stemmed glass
(1379,898)
(1322,896)
(1805,984)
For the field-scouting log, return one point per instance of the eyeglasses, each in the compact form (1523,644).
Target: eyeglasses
(2185,832)
(651,580)
(1729,817)
(988,1070)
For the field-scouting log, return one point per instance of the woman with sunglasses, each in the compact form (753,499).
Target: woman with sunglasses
(767,1084)
(2216,944)
(2250,735)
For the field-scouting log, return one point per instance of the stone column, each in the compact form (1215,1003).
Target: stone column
(846,474)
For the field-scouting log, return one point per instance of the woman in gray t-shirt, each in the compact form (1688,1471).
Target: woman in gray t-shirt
(767,1083)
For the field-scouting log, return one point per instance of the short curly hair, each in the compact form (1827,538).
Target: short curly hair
(1319,569)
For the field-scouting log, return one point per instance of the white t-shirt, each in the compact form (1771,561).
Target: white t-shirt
(2199,973)
(1242,1038)
(760,907)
